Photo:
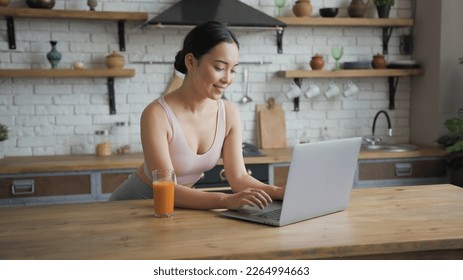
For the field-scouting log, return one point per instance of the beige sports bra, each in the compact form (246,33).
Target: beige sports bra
(188,165)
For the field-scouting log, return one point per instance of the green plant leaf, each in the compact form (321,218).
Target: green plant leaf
(457,147)
(454,126)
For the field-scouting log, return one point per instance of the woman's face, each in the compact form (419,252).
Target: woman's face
(216,70)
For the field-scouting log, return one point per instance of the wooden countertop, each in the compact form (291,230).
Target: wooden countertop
(32,164)
(380,223)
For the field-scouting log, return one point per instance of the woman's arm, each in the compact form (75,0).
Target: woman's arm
(186,197)
(236,172)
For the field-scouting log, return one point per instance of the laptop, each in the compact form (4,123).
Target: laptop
(320,180)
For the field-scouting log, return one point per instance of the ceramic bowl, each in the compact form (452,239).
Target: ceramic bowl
(328,12)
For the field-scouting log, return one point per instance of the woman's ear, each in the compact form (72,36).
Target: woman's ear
(189,61)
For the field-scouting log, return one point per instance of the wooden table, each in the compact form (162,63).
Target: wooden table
(382,223)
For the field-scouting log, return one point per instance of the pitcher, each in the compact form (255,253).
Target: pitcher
(357,8)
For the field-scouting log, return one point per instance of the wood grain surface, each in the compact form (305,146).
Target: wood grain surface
(271,126)
(30,164)
(394,222)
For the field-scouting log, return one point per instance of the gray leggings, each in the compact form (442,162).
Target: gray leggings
(132,188)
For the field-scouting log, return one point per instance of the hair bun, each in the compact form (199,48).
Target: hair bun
(179,63)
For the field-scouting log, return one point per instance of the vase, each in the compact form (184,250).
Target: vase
(41,4)
(378,61)
(115,60)
(302,8)
(54,56)
(357,8)
(383,11)
(316,63)
(4,3)
(92,4)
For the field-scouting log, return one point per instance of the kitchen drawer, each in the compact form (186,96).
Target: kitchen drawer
(37,186)
(402,169)
(110,181)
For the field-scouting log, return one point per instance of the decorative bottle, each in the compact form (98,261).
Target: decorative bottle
(54,56)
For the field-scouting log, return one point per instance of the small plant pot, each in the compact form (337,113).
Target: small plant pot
(383,11)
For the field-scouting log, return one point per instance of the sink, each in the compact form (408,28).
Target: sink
(384,147)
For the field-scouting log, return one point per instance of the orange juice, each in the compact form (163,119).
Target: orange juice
(163,192)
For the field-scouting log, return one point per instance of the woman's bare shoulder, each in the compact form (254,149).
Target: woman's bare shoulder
(231,109)
(152,109)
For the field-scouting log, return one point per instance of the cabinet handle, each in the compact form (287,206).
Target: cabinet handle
(403,169)
(22,187)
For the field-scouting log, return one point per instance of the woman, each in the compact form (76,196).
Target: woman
(188,129)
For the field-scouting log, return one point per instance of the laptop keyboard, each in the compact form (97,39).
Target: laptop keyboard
(274,214)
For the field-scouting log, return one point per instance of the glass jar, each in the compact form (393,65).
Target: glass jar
(120,133)
(104,145)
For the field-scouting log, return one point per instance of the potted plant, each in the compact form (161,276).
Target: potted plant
(383,7)
(3,132)
(3,137)
(453,144)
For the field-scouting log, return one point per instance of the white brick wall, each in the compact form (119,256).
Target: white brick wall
(60,116)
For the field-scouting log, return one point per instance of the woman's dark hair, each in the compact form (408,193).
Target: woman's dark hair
(201,39)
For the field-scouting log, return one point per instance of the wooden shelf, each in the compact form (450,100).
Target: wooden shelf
(365,22)
(110,74)
(367,73)
(387,24)
(68,14)
(66,73)
(120,17)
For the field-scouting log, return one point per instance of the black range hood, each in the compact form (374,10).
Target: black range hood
(232,13)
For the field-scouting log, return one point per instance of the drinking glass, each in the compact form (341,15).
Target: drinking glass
(337,53)
(163,193)
(280,4)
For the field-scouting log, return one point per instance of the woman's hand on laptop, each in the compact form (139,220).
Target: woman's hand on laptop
(250,197)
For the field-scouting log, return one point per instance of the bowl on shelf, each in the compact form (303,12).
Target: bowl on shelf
(41,4)
(328,12)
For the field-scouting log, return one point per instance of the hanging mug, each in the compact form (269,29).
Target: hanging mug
(332,91)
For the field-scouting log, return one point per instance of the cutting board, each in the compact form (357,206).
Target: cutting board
(175,82)
(271,125)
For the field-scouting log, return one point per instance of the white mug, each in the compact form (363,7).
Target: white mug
(313,91)
(332,91)
(294,91)
(350,89)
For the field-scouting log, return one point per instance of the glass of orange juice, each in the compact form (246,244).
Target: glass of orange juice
(163,193)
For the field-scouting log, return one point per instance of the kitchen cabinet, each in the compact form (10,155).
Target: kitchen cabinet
(372,173)
(26,189)
(400,172)
(90,178)
(60,186)
(111,180)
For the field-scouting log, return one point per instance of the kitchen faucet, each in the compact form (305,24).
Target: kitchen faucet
(375,139)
